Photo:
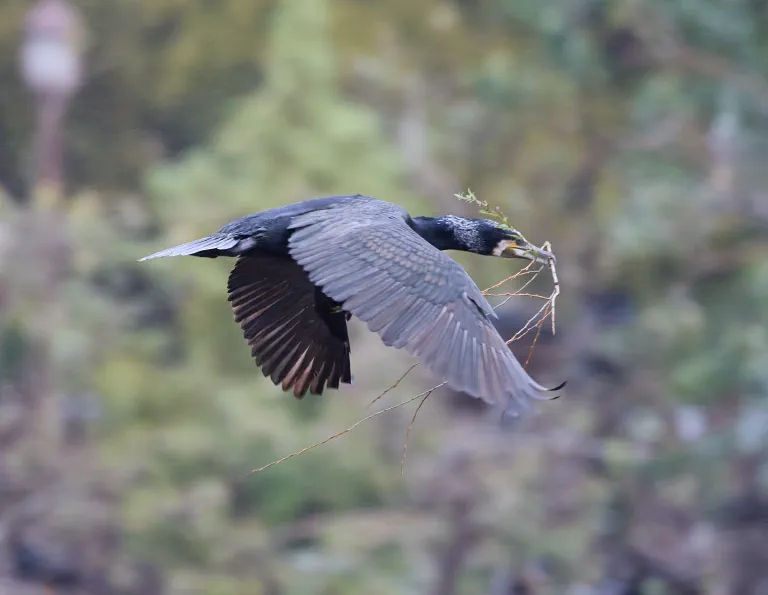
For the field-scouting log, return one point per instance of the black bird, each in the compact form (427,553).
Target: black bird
(303,270)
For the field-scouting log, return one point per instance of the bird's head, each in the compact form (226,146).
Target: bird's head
(507,242)
(481,236)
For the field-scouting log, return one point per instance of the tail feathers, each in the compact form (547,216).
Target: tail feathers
(212,244)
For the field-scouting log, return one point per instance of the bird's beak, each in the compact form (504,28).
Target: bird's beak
(524,249)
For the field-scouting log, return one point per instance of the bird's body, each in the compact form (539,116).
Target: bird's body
(303,269)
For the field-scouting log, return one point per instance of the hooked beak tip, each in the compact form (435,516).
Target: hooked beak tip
(540,255)
(533,253)
(544,257)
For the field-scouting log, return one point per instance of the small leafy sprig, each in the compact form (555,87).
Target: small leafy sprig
(484,208)
(547,311)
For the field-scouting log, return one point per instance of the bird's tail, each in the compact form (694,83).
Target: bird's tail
(218,244)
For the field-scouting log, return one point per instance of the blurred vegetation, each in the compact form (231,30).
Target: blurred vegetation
(630,134)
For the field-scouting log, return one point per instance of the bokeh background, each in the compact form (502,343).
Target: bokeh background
(632,134)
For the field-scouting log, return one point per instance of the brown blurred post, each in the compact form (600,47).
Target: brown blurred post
(50,64)
(51,67)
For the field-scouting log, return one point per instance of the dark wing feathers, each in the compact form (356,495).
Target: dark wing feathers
(412,294)
(296,336)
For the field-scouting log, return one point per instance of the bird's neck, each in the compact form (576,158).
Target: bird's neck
(444,233)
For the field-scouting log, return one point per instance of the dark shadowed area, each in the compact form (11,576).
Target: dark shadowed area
(631,135)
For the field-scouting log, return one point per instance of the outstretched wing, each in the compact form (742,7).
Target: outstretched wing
(413,295)
(298,336)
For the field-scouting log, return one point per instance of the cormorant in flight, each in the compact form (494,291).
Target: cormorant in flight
(303,269)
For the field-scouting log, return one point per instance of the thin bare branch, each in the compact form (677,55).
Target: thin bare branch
(533,345)
(410,425)
(392,387)
(345,431)
(548,309)
(526,270)
(515,294)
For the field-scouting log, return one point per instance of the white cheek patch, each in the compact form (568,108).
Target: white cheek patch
(501,246)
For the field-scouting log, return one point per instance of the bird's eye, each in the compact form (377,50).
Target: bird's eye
(510,233)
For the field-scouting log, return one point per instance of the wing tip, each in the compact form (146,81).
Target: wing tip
(558,387)
(537,396)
